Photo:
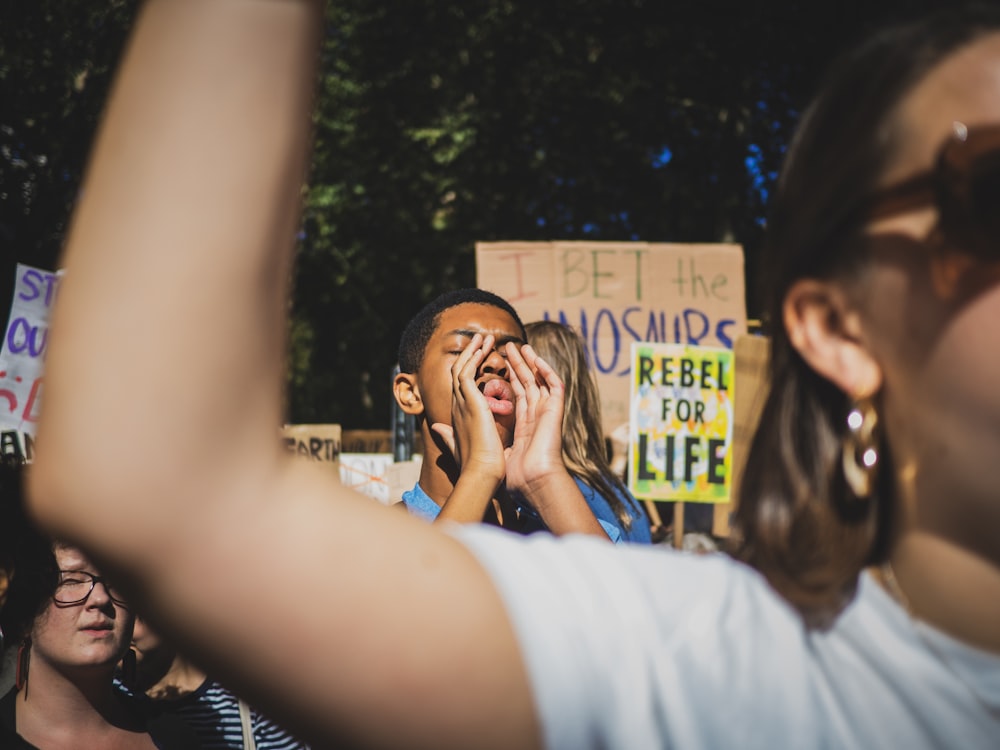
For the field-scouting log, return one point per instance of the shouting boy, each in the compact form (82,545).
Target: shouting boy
(490,413)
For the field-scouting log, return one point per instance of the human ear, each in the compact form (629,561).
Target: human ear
(407,393)
(825,329)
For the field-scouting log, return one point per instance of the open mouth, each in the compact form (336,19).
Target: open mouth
(499,396)
(98,628)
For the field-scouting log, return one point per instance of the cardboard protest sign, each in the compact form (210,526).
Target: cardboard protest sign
(316,442)
(366,441)
(751,355)
(22,356)
(614,293)
(366,473)
(681,425)
(365,460)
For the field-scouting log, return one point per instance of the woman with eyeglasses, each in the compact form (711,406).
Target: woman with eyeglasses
(869,613)
(64,695)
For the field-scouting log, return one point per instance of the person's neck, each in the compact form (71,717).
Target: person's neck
(57,702)
(948,586)
(182,678)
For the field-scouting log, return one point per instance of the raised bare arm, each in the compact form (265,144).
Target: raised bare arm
(158,445)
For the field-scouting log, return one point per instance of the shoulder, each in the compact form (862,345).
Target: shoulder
(270,736)
(658,633)
(419,503)
(659,586)
(602,510)
(212,702)
(656,579)
(636,646)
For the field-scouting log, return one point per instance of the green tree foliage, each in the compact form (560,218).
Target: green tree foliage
(440,123)
(56,61)
(444,123)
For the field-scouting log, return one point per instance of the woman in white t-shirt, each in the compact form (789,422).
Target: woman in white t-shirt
(879,444)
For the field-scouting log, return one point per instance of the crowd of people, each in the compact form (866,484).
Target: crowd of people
(858,607)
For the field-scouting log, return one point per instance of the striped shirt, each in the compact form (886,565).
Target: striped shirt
(214,714)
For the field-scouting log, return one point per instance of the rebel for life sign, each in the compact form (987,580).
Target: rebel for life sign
(681,426)
(21,358)
(616,293)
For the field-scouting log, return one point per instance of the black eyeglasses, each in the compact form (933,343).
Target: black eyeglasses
(75,586)
(965,186)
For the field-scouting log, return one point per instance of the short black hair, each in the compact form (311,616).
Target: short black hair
(419,330)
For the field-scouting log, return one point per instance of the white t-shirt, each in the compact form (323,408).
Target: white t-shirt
(637,647)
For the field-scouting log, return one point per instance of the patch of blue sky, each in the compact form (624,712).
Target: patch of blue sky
(760,179)
(663,158)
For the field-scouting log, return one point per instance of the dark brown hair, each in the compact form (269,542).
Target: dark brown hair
(797,521)
(25,553)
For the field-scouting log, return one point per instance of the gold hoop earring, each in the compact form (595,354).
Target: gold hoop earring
(860,448)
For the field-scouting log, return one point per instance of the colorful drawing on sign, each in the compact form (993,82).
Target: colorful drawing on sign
(681,423)
(23,351)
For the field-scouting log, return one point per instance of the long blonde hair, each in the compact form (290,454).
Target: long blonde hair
(583,446)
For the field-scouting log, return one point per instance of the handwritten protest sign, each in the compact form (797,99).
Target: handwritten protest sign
(366,473)
(21,358)
(361,457)
(365,461)
(316,442)
(615,293)
(681,426)
(750,358)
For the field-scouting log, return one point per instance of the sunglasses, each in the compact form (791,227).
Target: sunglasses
(964,184)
